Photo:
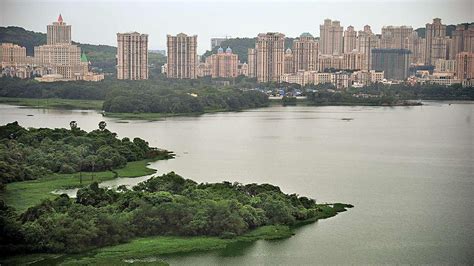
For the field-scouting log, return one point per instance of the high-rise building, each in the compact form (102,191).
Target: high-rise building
(393,62)
(463,39)
(331,40)
(12,55)
(59,32)
(443,65)
(182,56)
(350,39)
(353,60)
(289,62)
(394,37)
(252,58)
(270,52)
(132,56)
(417,47)
(435,41)
(223,64)
(465,65)
(366,41)
(305,52)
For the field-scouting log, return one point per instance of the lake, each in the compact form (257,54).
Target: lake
(409,172)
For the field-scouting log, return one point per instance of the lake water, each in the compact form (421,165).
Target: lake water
(409,171)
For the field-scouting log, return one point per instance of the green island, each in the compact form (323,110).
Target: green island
(163,215)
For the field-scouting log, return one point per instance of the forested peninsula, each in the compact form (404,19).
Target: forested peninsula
(164,214)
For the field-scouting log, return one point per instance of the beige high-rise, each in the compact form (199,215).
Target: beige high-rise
(394,37)
(223,64)
(350,40)
(435,41)
(366,41)
(465,65)
(59,32)
(270,53)
(331,40)
(132,56)
(12,55)
(182,56)
(463,39)
(252,58)
(305,52)
(289,62)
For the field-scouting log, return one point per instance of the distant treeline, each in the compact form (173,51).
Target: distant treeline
(33,153)
(163,205)
(149,96)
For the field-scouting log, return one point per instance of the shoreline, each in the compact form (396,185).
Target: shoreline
(152,249)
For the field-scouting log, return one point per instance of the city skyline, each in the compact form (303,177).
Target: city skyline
(155,16)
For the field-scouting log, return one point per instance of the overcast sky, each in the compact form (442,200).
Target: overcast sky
(97,22)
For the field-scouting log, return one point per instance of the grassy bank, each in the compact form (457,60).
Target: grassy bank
(54,103)
(22,195)
(160,116)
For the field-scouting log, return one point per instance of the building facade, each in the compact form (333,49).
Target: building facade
(182,56)
(58,32)
(395,37)
(435,36)
(331,37)
(465,66)
(270,52)
(132,56)
(366,41)
(350,39)
(12,55)
(223,64)
(305,53)
(393,62)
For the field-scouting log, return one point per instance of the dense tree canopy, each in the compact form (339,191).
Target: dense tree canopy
(162,205)
(27,154)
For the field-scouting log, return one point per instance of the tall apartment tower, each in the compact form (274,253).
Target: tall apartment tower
(182,56)
(289,62)
(270,53)
(223,64)
(350,40)
(463,39)
(12,54)
(435,41)
(132,56)
(331,40)
(465,65)
(366,41)
(393,62)
(252,64)
(305,52)
(59,32)
(394,37)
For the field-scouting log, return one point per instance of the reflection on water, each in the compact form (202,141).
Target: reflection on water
(409,171)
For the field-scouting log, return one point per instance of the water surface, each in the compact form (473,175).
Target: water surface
(409,171)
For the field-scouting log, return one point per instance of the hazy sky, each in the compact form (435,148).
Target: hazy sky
(97,22)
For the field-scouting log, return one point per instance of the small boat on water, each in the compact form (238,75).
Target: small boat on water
(30,115)
(347,119)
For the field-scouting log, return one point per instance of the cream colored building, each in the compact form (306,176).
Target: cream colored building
(350,40)
(182,56)
(59,32)
(223,64)
(252,58)
(326,62)
(465,66)
(395,37)
(353,60)
(444,65)
(64,58)
(270,52)
(132,56)
(305,52)
(436,44)
(12,55)
(463,39)
(289,62)
(366,41)
(331,37)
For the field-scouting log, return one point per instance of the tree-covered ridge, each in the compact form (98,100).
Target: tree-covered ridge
(163,205)
(168,96)
(27,154)
(186,101)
